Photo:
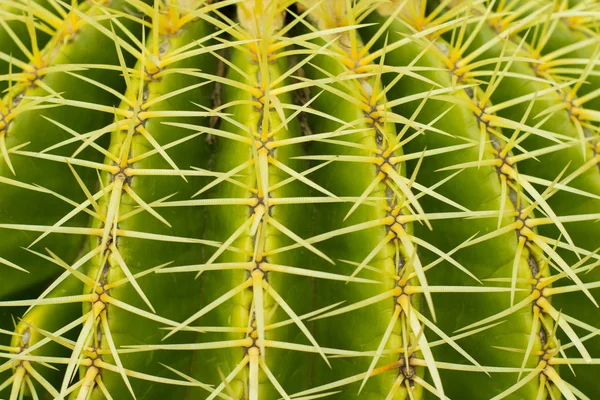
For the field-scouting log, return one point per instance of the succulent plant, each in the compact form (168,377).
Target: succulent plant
(272,199)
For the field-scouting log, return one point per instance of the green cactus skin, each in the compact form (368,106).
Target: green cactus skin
(580,121)
(380,200)
(260,234)
(255,224)
(141,130)
(31,130)
(501,250)
(377,245)
(35,330)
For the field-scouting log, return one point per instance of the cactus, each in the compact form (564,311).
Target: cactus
(268,199)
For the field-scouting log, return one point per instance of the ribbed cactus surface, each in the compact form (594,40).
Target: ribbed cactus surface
(279,199)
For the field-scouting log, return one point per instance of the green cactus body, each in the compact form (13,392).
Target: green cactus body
(371,241)
(577,107)
(506,252)
(259,225)
(29,128)
(252,274)
(379,200)
(137,174)
(35,333)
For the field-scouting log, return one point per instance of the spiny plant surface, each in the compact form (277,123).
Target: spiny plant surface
(278,199)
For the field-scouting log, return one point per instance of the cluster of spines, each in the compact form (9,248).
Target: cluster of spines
(540,247)
(421,23)
(583,175)
(396,250)
(95,338)
(563,36)
(259,133)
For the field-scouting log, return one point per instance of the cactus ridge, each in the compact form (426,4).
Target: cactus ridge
(270,199)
